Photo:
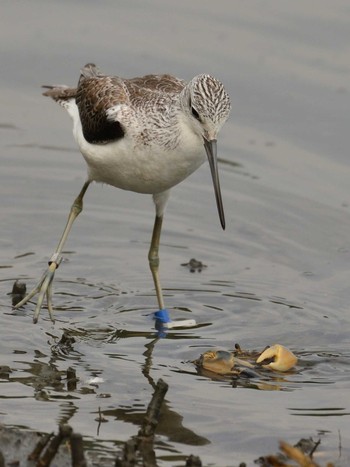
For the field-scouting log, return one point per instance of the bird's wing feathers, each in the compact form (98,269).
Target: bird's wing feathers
(100,99)
(155,83)
(95,95)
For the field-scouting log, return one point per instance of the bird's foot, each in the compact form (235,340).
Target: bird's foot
(43,289)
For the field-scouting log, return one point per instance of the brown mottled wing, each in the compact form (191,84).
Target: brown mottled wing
(160,83)
(95,95)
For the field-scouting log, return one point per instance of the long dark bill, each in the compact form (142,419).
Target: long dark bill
(210,147)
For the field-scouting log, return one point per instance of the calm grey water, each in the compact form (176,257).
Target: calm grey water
(279,273)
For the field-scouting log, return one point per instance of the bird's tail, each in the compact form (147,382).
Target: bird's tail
(63,95)
(59,92)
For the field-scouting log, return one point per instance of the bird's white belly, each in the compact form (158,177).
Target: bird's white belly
(143,169)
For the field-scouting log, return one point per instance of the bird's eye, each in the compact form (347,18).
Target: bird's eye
(195,114)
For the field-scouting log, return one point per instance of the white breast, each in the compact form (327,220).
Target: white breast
(129,165)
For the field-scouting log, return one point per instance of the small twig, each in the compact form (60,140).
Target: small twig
(100,419)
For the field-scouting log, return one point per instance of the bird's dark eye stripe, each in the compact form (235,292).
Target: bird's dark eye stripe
(195,113)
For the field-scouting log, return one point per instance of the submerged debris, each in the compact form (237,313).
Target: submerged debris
(64,346)
(193,265)
(19,290)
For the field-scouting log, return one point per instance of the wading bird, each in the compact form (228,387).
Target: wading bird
(142,134)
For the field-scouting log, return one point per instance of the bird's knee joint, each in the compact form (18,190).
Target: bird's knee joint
(153,259)
(76,208)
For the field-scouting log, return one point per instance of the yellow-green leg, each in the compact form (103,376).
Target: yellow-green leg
(153,258)
(44,286)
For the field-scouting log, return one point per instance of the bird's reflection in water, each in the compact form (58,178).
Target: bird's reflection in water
(170,424)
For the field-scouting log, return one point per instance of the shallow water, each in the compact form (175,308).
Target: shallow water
(279,273)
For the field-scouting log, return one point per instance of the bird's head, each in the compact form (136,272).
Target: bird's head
(207,107)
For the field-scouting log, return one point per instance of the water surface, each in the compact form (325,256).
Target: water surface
(279,273)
